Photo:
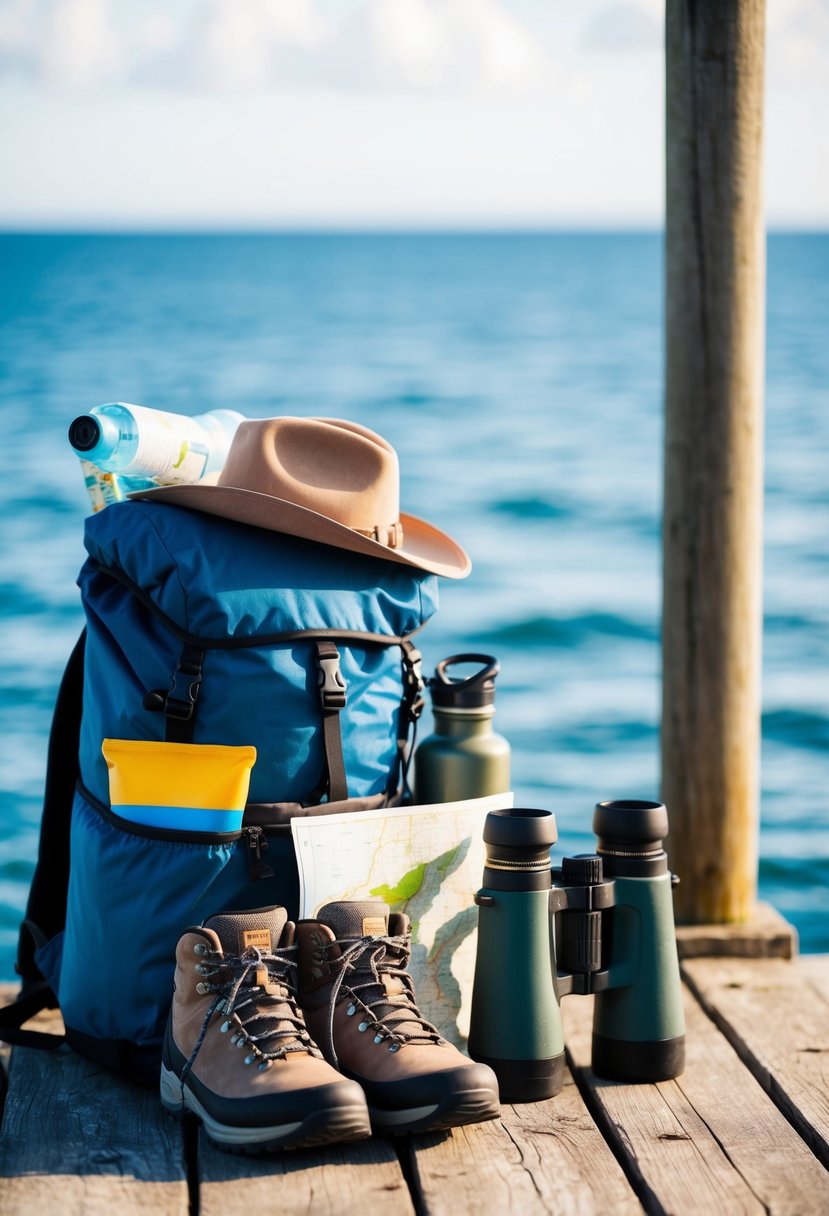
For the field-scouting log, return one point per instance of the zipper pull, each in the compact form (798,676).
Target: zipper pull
(257,843)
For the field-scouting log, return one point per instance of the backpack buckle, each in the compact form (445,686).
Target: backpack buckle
(413,683)
(183,706)
(179,702)
(331,683)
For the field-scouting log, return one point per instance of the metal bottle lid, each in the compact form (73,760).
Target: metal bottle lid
(474,692)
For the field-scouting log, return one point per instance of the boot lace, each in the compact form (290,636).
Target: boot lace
(256,993)
(394,1017)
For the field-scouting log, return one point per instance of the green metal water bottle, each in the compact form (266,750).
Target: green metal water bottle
(464,757)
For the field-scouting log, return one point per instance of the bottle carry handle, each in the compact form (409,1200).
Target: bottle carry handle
(488,672)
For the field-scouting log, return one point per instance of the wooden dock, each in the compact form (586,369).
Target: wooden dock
(744,1130)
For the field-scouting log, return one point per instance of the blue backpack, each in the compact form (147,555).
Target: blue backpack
(203,632)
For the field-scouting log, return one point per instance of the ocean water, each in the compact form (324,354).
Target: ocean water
(520,379)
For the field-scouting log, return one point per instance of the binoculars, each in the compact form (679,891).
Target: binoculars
(603,923)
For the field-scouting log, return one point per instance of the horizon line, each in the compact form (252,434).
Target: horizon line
(563,228)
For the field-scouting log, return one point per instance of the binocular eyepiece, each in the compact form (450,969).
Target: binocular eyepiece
(518,844)
(600,924)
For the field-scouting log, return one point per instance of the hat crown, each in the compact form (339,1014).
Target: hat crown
(341,470)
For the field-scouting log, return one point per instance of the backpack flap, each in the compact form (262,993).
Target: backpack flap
(162,582)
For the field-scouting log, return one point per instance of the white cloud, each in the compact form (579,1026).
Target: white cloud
(444,46)
(80,48)
(797,39)
(247,46)
(66,44)
(628,25)
(16,18)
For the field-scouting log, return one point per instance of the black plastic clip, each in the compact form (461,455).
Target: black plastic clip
(331,683)
(179,702)
(187,678)
(413,683)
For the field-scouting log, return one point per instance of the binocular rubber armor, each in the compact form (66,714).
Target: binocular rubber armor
(603,923)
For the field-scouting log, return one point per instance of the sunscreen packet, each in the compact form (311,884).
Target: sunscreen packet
(187,787)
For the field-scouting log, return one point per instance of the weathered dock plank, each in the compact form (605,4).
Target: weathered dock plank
(714,1140)
(338,1180)
(106,1136)
(815,968)
(708,1141)
(541,1157)
(76,1140)
(776,1016)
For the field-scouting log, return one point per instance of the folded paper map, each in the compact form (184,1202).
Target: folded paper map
(426,861)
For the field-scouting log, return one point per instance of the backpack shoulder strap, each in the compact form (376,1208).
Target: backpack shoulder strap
(30,1001)
(46,907)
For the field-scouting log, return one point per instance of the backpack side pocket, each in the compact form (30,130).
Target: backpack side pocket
(133,890)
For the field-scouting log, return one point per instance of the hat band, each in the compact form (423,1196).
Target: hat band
(390,535)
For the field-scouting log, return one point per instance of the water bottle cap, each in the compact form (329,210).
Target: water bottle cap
(474,692)
(84,433)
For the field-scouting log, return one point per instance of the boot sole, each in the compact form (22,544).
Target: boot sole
(472,1106)
(342,1123)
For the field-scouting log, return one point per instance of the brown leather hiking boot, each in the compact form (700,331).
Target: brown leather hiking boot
(237,1052)
(359,1004)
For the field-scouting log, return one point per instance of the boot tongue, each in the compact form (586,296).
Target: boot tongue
(239,931)
(356,918)
(388,996)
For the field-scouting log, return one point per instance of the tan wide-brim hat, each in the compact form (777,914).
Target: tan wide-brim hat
(325,480)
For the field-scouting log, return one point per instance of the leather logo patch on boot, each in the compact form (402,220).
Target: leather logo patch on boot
(260,938)
(374,926)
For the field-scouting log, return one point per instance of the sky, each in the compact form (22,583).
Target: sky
(200,114)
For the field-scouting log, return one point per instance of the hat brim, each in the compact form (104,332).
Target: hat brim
(424,546)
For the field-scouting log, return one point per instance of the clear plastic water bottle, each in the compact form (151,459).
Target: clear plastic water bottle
(464,757)
(147,445)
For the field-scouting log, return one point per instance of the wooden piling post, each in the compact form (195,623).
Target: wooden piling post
(712,541)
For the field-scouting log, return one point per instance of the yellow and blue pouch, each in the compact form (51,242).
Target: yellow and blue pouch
(186,787)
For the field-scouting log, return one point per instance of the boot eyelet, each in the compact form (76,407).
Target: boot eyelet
(200,948)
(241,1041)
(203,989)
(394,1047)
(352,1009)
(378,1038)
(225,1027)
(251,1058)
(263,1065)
(363,1027)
